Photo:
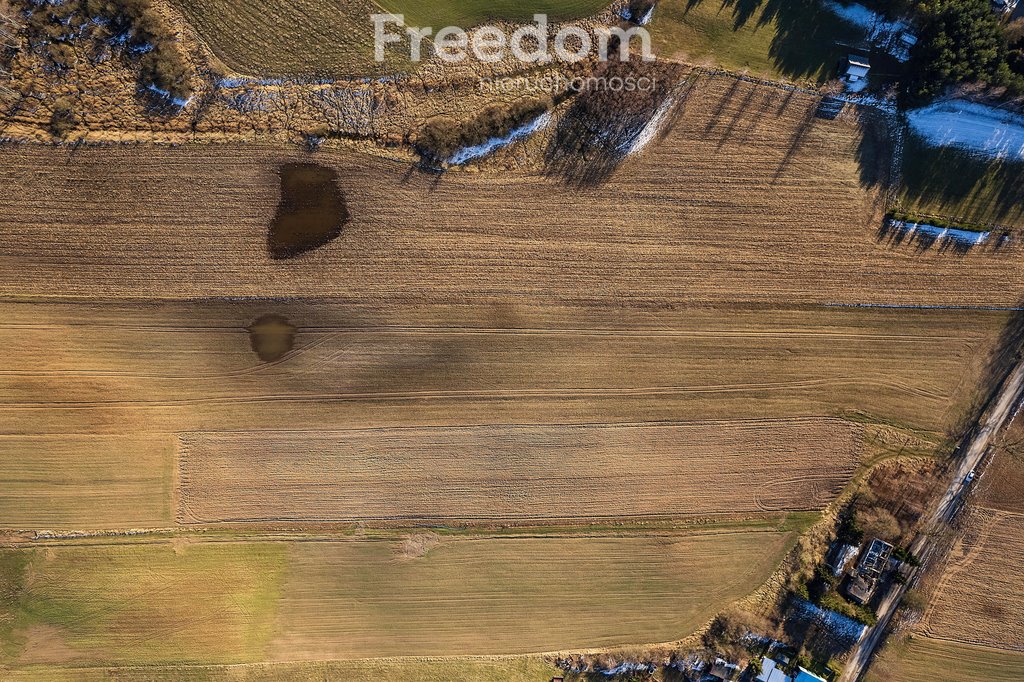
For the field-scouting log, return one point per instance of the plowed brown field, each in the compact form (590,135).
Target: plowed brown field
(748,198)
(979,600)
(527,401)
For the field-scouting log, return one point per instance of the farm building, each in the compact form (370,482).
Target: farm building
(772,672)
(807,676)
(1005,6)
(860,589)
(853,71)
(875,559)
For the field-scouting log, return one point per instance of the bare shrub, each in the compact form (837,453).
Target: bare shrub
(419,545)
(62,119)
(133,27)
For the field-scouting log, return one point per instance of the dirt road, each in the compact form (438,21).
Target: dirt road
(971,454)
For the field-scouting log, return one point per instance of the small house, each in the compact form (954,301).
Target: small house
(772,672)
(807,676)
(1004,6)
(853,72)
(840,557)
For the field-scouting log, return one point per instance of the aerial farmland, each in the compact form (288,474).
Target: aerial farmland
(337,348)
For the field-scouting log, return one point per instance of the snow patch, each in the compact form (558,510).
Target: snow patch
(945,233)
(179,102)
(975,127)
(495,143)
(641,20)
(836,623)
(627,668)
(646,18)
(650,131)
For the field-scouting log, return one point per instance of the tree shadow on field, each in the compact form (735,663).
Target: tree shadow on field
(603,125)
(1008,351)
(796,142)
(874,149)
(807,39)
(953,182)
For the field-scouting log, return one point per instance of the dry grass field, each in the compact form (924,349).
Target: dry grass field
(225,602)
(1002,487)
(979,600)
(276,38)
(796,40)
(139,603)
(72,481)
(448,669)
(945,181)
(516,472)
(928,660)
(749,198)
(352,600)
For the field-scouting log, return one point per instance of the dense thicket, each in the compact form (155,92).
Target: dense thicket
(442,136)
(961,41)
(130,27)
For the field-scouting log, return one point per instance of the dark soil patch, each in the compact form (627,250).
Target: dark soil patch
(311,213)
(272,336)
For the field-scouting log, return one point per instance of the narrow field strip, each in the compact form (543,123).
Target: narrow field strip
(197,602)
(511,596)
(85,482)
(517,472)
(169,367)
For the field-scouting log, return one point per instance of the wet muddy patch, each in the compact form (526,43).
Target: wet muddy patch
(311,213)
(272,337)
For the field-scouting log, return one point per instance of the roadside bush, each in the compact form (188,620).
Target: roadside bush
(62,118)
(725,635)
(439,139)
(879,522)
(638,9)
(915,601)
